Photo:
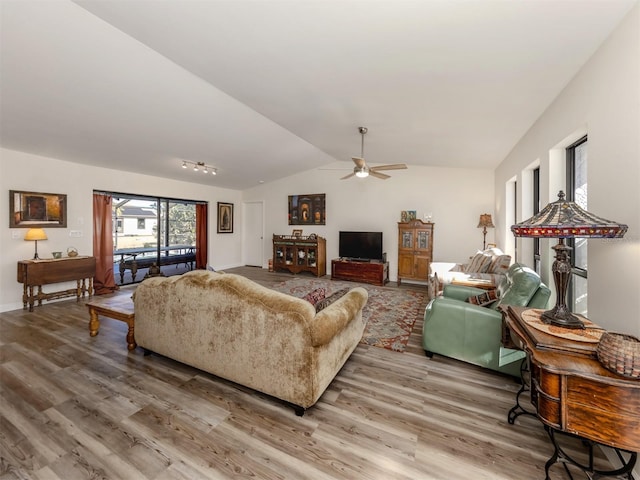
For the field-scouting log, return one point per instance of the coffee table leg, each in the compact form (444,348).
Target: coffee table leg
(131,342)
(94,322)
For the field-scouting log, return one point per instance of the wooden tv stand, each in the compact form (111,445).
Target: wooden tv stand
(374,272)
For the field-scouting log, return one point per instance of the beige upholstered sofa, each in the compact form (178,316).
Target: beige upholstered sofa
(236,329)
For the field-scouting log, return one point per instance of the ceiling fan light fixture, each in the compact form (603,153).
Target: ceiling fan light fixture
(361,172)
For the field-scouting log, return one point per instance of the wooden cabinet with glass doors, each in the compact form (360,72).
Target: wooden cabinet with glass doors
(300,254)
(415,250)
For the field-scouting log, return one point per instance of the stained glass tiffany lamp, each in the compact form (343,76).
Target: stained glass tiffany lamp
(563,219)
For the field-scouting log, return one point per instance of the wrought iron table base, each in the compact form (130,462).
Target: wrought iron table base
(559,455)
(518,409)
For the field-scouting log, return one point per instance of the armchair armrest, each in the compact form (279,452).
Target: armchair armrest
(461,292)
(330,321)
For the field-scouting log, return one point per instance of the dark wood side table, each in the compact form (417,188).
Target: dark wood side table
(36,273)
(573,393)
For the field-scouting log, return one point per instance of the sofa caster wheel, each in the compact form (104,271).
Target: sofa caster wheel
(428,354)
(299,410)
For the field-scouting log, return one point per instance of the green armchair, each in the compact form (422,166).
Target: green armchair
(471,333)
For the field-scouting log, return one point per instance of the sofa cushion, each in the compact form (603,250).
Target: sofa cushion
(314,296)
(322,304)
(484,299)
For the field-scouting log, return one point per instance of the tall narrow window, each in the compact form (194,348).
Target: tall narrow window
(577,192)
(536,210)
(515,214)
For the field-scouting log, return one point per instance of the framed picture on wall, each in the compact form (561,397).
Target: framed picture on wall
(307,209)
(225,217)
(37,210)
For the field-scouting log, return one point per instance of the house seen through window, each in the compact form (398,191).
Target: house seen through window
(150,232)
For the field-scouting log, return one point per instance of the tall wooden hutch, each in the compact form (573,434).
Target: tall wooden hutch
(415,250)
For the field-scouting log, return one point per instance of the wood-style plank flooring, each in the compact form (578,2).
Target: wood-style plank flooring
(77,407)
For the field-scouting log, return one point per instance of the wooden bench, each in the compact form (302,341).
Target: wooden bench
(135,263)
(117,306)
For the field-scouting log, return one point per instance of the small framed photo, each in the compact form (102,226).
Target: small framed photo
(37,210)
(225,217)
(297,232)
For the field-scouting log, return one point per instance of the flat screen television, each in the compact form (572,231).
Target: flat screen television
(360,245)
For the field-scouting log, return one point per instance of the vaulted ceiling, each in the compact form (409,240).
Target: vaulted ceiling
(262,89)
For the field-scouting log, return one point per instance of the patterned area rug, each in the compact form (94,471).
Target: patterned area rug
(390,313)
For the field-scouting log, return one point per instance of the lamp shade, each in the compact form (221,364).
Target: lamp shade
(35,234)
(485,221)
(563,219)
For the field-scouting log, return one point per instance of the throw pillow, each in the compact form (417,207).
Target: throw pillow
(500,264)
(484,299)
(314,296)
(480,263)
(322,304)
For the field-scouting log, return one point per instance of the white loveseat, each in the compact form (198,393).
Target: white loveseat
(488,265)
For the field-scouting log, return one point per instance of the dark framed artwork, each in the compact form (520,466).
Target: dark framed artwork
(37,210)
(307,209)
(225,217)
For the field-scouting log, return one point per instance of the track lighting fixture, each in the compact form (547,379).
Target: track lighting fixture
(197,166)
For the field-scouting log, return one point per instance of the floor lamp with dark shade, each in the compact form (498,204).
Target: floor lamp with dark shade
(563,219)
(484,223)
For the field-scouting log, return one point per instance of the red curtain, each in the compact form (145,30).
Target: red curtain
(104,281)
(201,235)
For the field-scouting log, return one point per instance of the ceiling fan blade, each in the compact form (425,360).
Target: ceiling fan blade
(348,176)
(382,176)
(358,161)
(395,166)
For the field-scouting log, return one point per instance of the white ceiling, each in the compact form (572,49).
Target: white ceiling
(265,88)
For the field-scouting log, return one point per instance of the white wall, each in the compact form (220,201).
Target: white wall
(455,198)
(603,101)
(21,171)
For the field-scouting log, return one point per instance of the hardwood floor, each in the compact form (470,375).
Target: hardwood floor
(77,407)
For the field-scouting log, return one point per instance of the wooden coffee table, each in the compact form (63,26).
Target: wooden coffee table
(117,306)
(475,282)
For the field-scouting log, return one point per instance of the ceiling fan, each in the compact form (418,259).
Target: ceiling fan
(361,169)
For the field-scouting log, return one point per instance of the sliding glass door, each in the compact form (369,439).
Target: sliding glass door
(152,236)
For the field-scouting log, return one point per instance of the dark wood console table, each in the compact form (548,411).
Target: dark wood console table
(36,273)
(376,273)
(573,393)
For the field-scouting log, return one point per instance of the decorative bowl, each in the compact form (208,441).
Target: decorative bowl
(72,252)
(620,353)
